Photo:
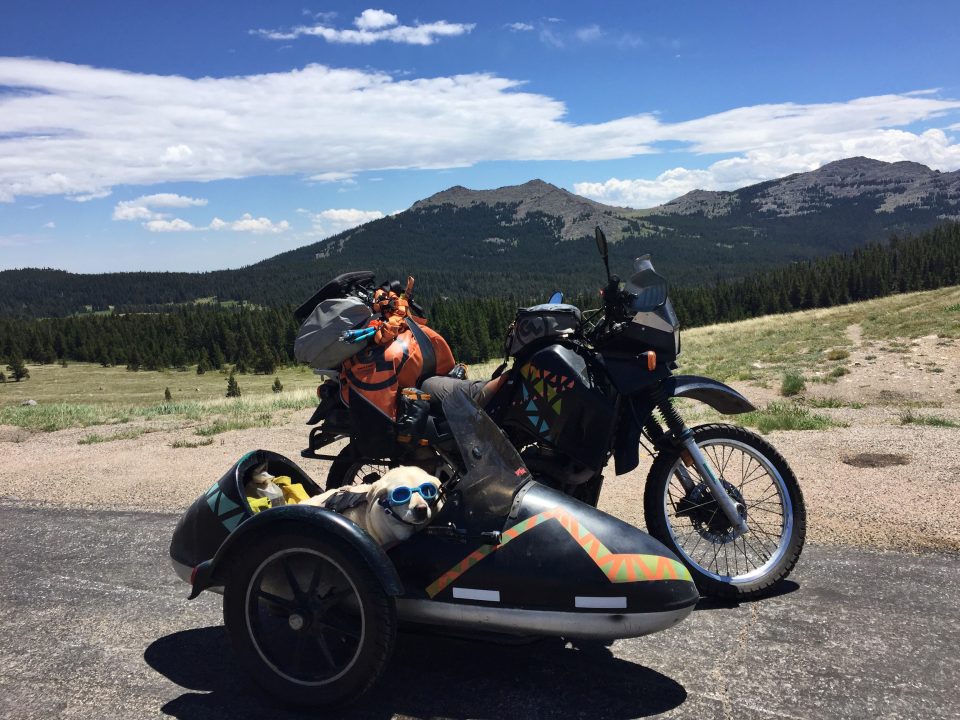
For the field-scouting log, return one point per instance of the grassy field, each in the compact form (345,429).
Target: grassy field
(767,347)
(87,383)
(83,395)
(781,352)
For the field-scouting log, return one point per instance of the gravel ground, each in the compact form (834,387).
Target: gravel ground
(908,506)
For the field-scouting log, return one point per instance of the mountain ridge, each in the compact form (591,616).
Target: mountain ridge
(527,240)
(895,184)
(580,215)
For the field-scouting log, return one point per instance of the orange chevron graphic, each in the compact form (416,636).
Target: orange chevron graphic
(619,568)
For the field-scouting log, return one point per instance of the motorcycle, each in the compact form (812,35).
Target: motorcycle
(587,387)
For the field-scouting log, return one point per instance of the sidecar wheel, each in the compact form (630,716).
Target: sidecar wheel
(308,619)
(723,563)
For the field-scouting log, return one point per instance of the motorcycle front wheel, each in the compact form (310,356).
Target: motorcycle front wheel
(681,513)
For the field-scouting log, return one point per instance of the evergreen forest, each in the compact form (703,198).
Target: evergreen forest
(254,338)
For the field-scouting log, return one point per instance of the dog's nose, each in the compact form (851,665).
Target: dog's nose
(420,512)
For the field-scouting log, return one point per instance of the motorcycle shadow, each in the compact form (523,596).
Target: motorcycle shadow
(429,676)
(784,587)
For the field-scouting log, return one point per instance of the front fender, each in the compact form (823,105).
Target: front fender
(714,393)
(210,573)
(720,397)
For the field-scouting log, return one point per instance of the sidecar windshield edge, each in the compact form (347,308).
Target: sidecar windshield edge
(494,469)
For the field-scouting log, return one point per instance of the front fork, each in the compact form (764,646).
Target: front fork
(691,454)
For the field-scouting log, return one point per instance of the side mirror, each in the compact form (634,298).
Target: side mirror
(601,242)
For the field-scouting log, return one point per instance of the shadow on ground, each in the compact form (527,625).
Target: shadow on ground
(430,676)
(784,587)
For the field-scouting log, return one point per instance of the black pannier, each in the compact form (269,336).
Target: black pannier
(541,322)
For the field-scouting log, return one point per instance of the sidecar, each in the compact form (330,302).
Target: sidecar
(311,602)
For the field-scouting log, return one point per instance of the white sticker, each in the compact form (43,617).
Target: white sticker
(474,594)
(601,602)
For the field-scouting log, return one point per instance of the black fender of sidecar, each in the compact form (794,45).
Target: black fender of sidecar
(720,397)
(324,522)
(220,523)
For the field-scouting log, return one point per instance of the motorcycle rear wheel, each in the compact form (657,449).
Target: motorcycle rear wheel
(348,469)
(725,564)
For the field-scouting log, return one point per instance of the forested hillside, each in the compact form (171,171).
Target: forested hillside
(257,339)
(524,241)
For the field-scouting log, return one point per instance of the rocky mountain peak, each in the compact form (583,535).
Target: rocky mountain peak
(886,185)
(579,215)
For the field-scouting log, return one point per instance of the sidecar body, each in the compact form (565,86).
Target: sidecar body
(311,601)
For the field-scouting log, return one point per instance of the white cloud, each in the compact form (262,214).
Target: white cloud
(246,223)
(175,225)
(375,20)
(333,221)
(588,34)
(250,224)
(329,177)
(90,196)
(50,225)
(176,153)
(551,38)
(932,148)
(115,127)
(561,36)
(373,26)
(519,27)
(142,208)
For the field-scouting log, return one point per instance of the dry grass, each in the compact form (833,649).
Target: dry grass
(762,349)
(226,413)
(91,384)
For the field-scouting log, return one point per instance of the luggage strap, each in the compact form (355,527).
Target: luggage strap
(429,368)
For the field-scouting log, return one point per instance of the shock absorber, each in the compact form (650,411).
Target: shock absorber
(671,417)
(684,436)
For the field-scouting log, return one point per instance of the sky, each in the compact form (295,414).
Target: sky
(202,135)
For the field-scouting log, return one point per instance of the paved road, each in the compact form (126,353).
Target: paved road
(93,624)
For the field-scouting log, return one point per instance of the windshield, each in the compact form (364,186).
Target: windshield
(647,289)
(494,469)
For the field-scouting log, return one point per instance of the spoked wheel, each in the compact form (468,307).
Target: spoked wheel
(349,470)
(309,620)
(681,513)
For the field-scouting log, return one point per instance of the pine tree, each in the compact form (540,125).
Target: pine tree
(277,385)
(265,363)
(218,359)
(233,387)
(167,397)
(18,369)
(203,363)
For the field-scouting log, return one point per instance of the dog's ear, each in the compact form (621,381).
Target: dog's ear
(377,491)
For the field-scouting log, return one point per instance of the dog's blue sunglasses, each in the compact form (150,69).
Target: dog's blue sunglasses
(401,495)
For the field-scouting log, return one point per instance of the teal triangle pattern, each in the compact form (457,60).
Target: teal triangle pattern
(231,523)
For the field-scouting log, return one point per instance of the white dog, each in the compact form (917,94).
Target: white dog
(392,508)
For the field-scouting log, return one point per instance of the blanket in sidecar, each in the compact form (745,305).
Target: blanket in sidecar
(379,371)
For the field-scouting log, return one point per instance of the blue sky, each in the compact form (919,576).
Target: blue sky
(201,135)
